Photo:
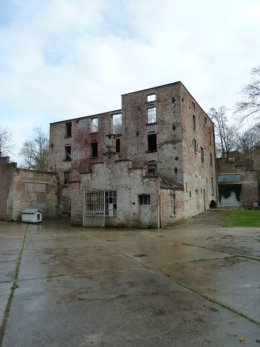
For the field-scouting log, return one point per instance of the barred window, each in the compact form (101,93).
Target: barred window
(144,199)
(111,203)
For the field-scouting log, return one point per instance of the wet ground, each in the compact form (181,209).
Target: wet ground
(194,284)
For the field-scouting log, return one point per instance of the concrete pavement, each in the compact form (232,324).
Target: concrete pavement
(194,284)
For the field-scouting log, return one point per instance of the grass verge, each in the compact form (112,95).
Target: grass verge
(241,218)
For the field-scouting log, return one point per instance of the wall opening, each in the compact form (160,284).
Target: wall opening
(117,145)
(67,152)
(94,149)
(144,199)
(152,142)
(68,128)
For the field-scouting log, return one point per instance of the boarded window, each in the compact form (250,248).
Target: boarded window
(152,142)
(117,123)
(152,167)
(144,199)
(151,115)
(68,127)
(35,187)
(94,125)
(66,177)
(94,149)
(229,178)
(173,205)
(67,152)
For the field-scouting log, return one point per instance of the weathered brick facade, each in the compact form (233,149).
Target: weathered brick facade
(166,136)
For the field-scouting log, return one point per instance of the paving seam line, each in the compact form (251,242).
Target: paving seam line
(14,286)
(180,284)
(218,250)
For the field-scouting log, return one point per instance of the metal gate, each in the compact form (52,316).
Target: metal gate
(94,209)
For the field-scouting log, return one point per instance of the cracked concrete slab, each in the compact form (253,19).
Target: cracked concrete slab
(175,287)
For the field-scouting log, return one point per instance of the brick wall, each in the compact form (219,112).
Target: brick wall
(6,173)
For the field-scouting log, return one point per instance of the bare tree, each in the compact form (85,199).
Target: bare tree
(250,106)
(35,151)
(225,135)
(5,141)
(249,140)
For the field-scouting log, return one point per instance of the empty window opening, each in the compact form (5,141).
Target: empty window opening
(202,154)
(151,97)
(110,203)
(152,167)
(94,149)
(194,122)
(174,127)
(66,177)
(68,129)
(193,105)
(144,199)
(152,142)
(67,152)
(151,115)
(94,125)
(190,194)
(176,158)
(117,145)
(173,100)
(175,170)
(117,123)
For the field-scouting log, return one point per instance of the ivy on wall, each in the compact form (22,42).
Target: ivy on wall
(225,190)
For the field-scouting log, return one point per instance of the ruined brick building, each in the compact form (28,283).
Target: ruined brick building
(147,164)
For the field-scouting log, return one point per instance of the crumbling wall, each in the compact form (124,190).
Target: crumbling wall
(6,174)
(129,183)
(167,128)
(32,189)
(199,170)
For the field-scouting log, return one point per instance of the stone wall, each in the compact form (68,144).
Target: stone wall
(248,181)
(32,189)
(6,174)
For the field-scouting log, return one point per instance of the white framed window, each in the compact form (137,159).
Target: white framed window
(94,125)
(151,115)
(151,97)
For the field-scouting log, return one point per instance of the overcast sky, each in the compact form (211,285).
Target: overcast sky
(62,59)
